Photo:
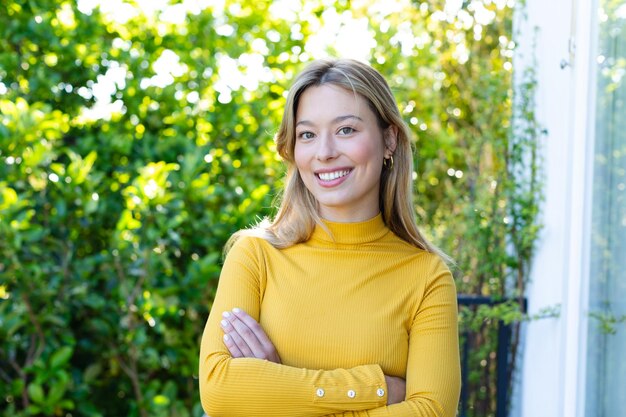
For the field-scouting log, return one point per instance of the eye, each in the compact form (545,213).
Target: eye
(306,135)
(346,130)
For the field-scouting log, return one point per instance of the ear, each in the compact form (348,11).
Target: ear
(390,136)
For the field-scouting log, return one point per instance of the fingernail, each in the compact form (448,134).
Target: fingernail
(236,310)
(226,314)
(226,338)
(224,323)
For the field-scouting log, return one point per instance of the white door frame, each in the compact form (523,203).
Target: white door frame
(558,37)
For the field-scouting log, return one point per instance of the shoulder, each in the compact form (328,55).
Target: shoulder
(250,246)
(434,268)
(429,262)
(243,245)
(436,289)
(244,260)
(438,280)
(428,269)
(436,264)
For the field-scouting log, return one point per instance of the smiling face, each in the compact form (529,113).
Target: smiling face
(339,151)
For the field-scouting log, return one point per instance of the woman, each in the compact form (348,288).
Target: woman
(339,306)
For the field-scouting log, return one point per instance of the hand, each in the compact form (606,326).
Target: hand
(396,389)
(245,338)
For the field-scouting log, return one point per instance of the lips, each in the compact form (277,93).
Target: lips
(331,179)
(331,176)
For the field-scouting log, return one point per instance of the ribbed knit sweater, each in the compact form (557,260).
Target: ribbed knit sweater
(342,311)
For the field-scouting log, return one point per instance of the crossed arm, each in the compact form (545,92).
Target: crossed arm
(245,338)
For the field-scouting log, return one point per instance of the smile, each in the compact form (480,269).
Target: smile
(330,176)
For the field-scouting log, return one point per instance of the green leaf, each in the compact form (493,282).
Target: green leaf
(33,410)
(61,357)
(35,392)
(67,405)
(8,197)
(161,400)
(92,372)
(56,392)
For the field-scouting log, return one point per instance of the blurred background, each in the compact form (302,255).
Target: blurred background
(136,137)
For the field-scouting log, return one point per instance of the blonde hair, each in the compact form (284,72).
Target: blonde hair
(297,214)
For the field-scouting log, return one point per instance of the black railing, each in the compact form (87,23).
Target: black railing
(502,356)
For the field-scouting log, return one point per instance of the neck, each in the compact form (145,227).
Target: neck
(347,216)
(350,233)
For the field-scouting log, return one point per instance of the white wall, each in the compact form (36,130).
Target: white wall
(550,369)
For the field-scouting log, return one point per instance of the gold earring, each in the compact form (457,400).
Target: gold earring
(388,162)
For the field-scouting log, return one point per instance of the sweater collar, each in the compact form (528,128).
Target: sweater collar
(351,233)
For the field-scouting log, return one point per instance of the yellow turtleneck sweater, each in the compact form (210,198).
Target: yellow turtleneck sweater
(342,313)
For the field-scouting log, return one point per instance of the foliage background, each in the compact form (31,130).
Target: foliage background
(136,136)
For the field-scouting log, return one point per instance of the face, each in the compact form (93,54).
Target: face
(339,152)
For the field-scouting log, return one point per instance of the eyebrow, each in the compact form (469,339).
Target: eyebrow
(335,120)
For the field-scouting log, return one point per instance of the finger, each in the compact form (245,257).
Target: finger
(256,329)
(240,335)
(248,336)
(241,344)
(234,350)
(252,334)
(266,350)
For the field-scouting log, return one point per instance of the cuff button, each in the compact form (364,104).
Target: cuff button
(319,392)
(380,392)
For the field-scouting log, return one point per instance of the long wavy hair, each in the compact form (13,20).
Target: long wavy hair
(298,213)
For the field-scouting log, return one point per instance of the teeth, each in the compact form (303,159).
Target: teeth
(329,176)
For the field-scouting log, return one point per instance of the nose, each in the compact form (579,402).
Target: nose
(326,148)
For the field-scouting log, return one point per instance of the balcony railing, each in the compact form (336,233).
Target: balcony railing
(503,362)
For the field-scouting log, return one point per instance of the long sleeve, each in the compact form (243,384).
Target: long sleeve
(352,304)
(433,367)
(247,386)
